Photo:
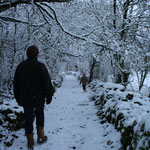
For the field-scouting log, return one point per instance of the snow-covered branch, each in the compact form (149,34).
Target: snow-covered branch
(20,21)
(72,34)
(7,4)
(72,55)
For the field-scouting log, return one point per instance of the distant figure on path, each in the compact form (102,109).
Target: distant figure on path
(32,87)
(84,81)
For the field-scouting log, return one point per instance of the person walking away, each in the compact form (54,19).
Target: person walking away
(32,88)
(84,81)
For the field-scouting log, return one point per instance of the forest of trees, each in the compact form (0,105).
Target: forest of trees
(105,38)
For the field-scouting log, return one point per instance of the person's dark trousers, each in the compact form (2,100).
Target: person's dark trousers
(29,114)
(84,87)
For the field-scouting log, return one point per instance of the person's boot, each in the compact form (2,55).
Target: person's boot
(30,141)
(40,133)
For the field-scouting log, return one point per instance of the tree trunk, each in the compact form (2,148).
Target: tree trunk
(124,75)
(114,20)
(125,13)
(91,70)
(143,77)
(10,80)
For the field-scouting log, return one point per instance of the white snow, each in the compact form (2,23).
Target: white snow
(71,123)
(135,110)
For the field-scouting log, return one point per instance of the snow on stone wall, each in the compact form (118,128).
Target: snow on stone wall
(128,111)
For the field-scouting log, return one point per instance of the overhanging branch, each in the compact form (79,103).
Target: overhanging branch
(72,55)
(74,35)
(9,4)
(20,21)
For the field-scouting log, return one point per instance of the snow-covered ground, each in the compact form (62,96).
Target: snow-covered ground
(71,123)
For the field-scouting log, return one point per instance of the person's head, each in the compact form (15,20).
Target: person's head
(32,52)
(83,73)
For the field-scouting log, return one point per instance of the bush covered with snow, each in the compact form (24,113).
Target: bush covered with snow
(57,82)
(11,120)
(128,111)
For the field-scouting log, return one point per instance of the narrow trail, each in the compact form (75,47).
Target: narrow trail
(71,123)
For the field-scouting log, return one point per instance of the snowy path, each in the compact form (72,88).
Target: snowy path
(71,123)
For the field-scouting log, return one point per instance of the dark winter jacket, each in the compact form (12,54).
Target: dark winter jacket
(32,83)
(83,80)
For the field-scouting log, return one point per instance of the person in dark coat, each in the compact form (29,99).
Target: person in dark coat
(84,81)
(32,88)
